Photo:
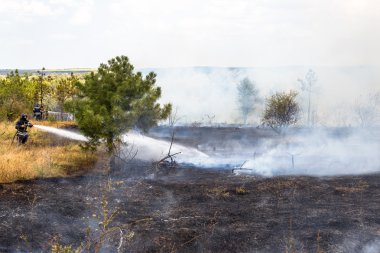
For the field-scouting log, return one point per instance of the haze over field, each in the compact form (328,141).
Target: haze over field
(205,91)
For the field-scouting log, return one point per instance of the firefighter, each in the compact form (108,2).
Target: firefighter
(37,113)
(22,125)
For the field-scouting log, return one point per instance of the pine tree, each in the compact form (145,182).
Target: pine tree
(114,100)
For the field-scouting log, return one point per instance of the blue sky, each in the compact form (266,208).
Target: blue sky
(170,33)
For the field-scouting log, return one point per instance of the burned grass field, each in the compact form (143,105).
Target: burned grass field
(136,207)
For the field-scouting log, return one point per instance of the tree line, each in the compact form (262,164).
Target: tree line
(21,92)
(106,103)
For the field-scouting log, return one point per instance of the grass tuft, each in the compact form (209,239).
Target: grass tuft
(241,190)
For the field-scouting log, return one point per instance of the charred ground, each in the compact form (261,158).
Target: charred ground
(194,210)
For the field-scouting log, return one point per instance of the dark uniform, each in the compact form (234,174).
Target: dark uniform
(22,125)
(37,112)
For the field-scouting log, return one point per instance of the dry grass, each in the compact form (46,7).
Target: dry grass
(219,192)
(241,190)
(42,156)
(353,188)
(277,185)
(59,124)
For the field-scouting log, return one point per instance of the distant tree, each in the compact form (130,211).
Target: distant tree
(15,95)
(367,110)
(42,87)
(247,98)
(115,99)
(281,110)
(64,90)
(308,85)
(210,119)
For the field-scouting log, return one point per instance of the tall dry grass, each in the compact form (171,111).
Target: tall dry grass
(44,155)
(58,124)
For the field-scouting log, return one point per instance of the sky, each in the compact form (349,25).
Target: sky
(172,33)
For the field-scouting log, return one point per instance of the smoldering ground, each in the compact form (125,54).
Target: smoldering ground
(261,151)
(193,209)
(196,210)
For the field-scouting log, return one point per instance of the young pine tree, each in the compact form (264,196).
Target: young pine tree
(114,100)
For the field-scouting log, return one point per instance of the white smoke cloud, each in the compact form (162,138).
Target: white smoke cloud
(372,247)
(320,153)
(328,152)
(212,91)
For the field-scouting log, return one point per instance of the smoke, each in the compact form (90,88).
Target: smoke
(358,242)
(314,152)
(372,247)
(318,152)
(202,91)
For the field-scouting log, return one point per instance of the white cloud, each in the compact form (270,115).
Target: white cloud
(26,8)
(246,33)
(62,36)
(83,12)
(207,32)
(79,12)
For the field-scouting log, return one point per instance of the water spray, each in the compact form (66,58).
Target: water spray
(148,148)
(322,155)
(64,133)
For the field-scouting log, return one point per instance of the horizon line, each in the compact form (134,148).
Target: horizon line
(195,66)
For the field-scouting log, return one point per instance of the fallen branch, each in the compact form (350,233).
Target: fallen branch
(163,161)
(168,156)
(240,167)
